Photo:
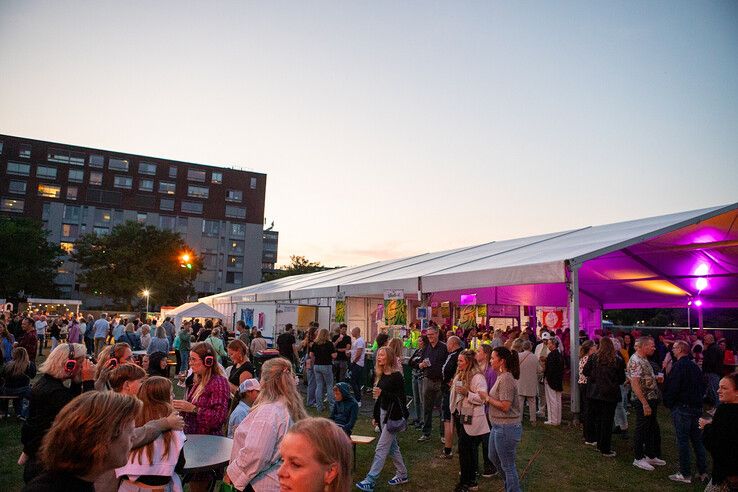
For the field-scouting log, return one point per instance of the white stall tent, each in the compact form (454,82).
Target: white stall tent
(190,310)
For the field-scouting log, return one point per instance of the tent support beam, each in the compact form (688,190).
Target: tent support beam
(573,288)
(655,270)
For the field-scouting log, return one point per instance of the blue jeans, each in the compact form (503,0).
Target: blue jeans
(41,340)
(357,372)
(685,421)
(621,414)
(386,446)
(310,375)
(713,381)
(20,405)
(503,442)
(418,396)
(185,360)
(324,384)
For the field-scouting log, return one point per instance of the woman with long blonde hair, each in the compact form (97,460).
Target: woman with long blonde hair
(322,354)
(255,457)
(154,464)
(389,392)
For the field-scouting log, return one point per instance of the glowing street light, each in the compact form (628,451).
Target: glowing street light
(146,294)
(185,261)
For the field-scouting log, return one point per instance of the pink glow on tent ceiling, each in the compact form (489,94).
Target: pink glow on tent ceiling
(701,271)
(698,303)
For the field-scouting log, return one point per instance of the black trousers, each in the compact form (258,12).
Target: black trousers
(468,453)
(603,415)
(647,436)
(431,392)
(588,423)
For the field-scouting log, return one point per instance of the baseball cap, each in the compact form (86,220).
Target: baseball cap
(545,336)
(249,385)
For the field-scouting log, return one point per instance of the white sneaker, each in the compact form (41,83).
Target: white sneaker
(655,461)
(643,464)
(593,443)
(678,477)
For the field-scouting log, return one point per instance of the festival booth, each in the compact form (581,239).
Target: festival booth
(189,310)
(51,307)
(563,279)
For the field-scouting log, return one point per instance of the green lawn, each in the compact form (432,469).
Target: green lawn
(548,458)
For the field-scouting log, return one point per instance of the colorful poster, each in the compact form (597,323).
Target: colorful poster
(395,312)
(247,316)
(482,310)
(467,317)
(340,311)
(553,318)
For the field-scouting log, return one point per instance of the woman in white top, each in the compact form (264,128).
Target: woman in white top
(255,458)
(470,418)
(155,465)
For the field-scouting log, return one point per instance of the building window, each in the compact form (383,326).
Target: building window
(195,175)
(96,178)
(2,145)
(101,231)
(72,212)
(11,205)
(70,231)
(76,159)
(197,191)
(253,183)
(67,247)
(210,228)
(49,191)
(210,261)
(166,187)
(76,175)
(47,172)
(238,230)
(216,178)
(71,192)
(24,151)
(237,247)
(118,164)
(173,172)
(235,212)
(124,182)
(182,223)
(19,169)
(102,216)
(18,187)
(166,204)
(146,185)
(192,207)
(141,218)
(234,196)
(235,278)
(146,168)
(235,262)
(167,222)
(96,160)
(58,155)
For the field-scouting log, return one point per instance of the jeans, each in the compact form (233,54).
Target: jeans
(542,398)
(20,405)
(468,453)
(503,442)
(340,367)
(647,435)
(417,396)
(185,355)
(310,375)
(621,414)
(602,414)
(531,406)
(356,372)
(685,421)
(54,343)
(324,384)
(431,392)
(99,345)
(713,381)
(387,445)
(41,340)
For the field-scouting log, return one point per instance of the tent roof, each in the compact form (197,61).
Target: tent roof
(542,259)
(194,310)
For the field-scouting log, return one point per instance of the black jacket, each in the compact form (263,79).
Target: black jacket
(720,439)
(392,398)
(712,361)
(604,380)
(684,385)
(554,371)
(437,356)
(449,367)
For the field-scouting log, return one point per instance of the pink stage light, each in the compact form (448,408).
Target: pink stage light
(702,269)
(701,283)
(698,303)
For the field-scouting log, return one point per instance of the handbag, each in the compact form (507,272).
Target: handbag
(394,426)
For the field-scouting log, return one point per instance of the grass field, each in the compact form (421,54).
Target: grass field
(548,459)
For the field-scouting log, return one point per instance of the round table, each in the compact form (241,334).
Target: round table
(205,453)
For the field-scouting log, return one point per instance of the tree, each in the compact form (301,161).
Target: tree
(28,261)
(298,265)
(134,257)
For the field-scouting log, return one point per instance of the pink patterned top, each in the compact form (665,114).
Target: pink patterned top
(212,411)
(582,377)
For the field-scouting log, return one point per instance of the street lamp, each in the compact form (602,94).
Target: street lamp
(146,294)
(185,261)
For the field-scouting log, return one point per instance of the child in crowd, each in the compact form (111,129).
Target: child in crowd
(247,393)
(346,409)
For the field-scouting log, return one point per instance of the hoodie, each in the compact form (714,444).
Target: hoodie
(346,411)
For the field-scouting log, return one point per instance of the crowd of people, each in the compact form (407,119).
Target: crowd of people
(100,418)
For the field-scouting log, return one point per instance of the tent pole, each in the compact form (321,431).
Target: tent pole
(574,339)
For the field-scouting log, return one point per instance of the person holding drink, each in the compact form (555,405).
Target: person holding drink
(720,436)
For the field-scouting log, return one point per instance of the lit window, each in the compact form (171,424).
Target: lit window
(70,231)
(96,178)
(118,164)
(19,168)
(194,175)
(102,216)
(217,178)
(46,172)
(167,187)
(18,187)
(237,246)
(146,168)
(236,212)
(124,182)
(197,191)
(76,175)
(234,196)
(11,205)
(141,218)
(192,207)
(166,204)
(96,160)
(253,183)
(24,151)
(235,262)
(146,185)
(49,191)
(67,247)
(172,172)
(71,193)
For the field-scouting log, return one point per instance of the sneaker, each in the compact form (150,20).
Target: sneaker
(643,464)
(678,477)
(488,473)
(398,481)
(655,461)
(365,485)
(359,403)
(443,440)
(550,423)
(593,443)
(447,456)
(611,454)
(472,486)
(423,438)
